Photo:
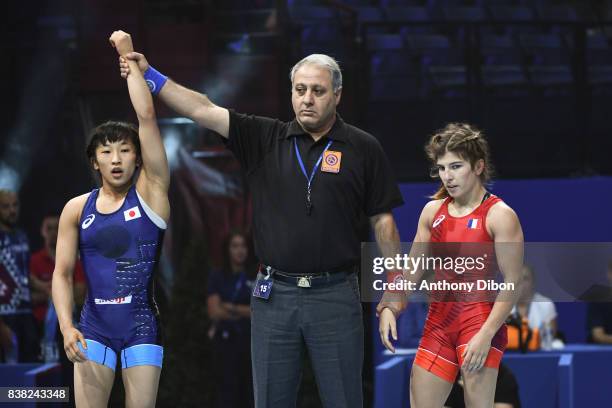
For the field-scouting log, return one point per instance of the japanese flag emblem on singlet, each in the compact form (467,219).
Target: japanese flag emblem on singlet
(131,213)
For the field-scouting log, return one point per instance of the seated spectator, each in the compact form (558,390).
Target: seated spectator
(42,265)
(229,297)
(539,311)
(18,339)
(599,316)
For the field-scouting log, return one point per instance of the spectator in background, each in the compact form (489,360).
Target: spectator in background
(539,310)
(18,329)
(599,316)
(229,296)
(42,265)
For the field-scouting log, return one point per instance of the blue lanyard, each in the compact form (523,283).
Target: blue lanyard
(312,174)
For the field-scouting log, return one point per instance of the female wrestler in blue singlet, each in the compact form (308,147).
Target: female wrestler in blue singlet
(118,230)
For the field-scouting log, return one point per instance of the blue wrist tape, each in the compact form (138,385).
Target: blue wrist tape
(155,80)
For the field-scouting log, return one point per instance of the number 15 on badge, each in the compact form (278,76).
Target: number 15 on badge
(263,288)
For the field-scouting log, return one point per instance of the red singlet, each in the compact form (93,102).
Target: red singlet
(451,325)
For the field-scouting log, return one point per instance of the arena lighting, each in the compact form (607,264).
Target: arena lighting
(219,89)
(9,178)
(43,88)
(39,103)
(172,143)
(171,136)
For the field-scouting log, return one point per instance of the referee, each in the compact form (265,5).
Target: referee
(313,180)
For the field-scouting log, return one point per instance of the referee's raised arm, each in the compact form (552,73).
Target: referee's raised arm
(184,101)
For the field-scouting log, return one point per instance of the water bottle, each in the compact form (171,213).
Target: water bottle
(546,336)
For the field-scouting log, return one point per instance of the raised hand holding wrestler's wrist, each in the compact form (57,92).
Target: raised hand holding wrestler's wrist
(140,59)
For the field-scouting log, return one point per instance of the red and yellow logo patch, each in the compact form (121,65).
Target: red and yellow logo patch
(331,161)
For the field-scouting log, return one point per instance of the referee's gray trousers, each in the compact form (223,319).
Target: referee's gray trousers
(326,322)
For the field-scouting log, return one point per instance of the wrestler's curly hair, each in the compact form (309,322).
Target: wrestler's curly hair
(467,142)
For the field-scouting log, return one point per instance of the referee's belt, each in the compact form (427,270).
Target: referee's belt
(309,280)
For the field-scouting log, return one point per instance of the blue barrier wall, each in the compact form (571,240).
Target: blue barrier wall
(577,376)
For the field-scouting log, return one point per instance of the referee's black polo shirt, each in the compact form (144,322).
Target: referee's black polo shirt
(285,236)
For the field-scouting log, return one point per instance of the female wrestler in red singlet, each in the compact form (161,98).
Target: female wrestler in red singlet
(469,335)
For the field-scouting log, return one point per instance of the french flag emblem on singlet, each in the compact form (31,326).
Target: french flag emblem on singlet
(131,213)
(473,223)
